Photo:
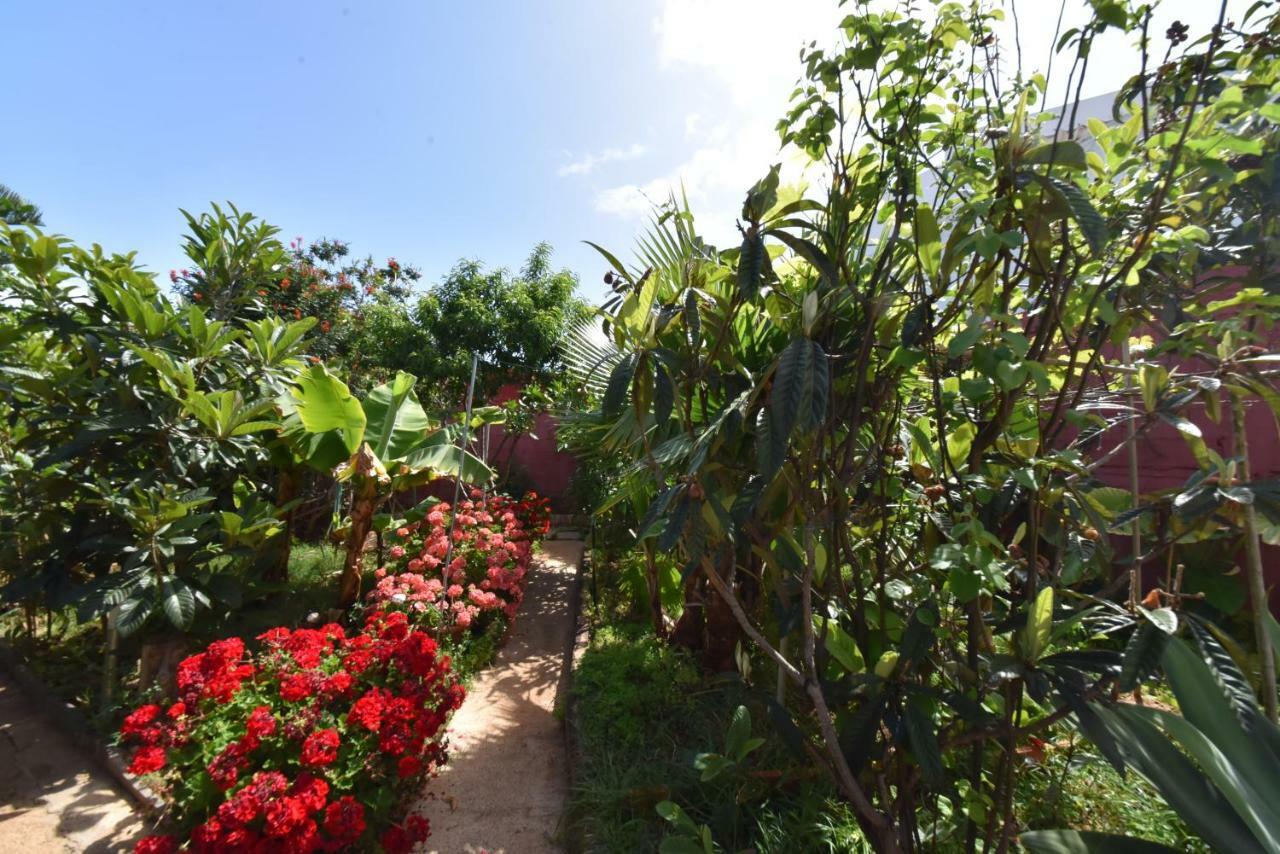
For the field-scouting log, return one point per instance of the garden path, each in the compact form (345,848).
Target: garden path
(504,789)
(51,798)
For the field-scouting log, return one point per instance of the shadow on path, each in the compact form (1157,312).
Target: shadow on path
(52,798)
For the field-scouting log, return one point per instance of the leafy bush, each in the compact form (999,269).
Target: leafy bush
(308,744)
(135,439)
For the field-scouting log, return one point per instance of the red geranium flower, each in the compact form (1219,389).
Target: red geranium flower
(156,845)
(261,723)
(344,819)
(147,760)
(320,748)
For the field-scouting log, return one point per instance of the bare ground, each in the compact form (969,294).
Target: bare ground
(504,789)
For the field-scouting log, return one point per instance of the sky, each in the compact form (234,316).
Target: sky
(425,131)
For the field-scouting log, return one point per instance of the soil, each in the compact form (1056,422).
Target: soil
(505,787)
(53,799)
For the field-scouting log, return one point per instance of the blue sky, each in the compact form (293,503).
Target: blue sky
(428,131)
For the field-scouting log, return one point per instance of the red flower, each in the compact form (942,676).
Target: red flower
(320,748)
(243,807)
(147,760)
(311,791)
(156,845)
(261,723)
(344,819)
(408,766)
(367,711)
(284,816)
(139,719)
(296,686)
(338,684)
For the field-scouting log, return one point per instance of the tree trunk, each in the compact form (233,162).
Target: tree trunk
(722,632)
(689,628)
(364,502)
(286,491)
(655,592)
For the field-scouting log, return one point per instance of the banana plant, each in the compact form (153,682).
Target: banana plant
(1217,764)
(382,445)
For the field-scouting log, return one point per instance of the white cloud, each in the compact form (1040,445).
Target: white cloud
(587,164)
(744,54)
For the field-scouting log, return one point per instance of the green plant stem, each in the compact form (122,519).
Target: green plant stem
(1253,554)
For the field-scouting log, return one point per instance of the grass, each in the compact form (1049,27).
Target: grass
(1073,787)
(644,713)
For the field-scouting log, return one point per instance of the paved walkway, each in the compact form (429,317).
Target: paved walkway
(504,789)
(50,800)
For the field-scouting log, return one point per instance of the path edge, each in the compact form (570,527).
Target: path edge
(572,834)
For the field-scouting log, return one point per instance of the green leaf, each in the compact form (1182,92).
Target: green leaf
(924,741)
(179,602)
(619,383)
(763,196)
(663,395)
(439,455)
(840,644)
(809,252)
(928,241)
(1164,619)
(1141,654)
(1252,802)
(1092,226)
(751,265)
(323,418)
(1039,625)
(1064,152)
(738,733)
(1197,802)
(1153,380)
(396,421)
(1087,842)
(132,614)
(791,386)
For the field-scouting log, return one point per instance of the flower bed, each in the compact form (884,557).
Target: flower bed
(487,544)
(315,741)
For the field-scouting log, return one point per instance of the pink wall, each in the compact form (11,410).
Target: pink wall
(536,462)
(1165,461)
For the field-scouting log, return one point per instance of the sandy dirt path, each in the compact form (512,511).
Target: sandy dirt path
(504,789)
(52,797)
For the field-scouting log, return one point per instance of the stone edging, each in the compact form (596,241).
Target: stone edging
(573,838)
(75,727)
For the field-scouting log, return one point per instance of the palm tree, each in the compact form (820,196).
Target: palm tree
(15,210)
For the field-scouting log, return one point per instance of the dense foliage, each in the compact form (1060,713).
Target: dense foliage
(513,323)
(870,436)
(136,442)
